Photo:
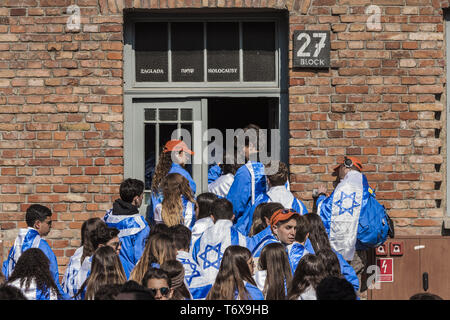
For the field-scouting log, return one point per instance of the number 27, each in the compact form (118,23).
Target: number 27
(319,46)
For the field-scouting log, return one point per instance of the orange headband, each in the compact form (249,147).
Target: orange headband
(281,215)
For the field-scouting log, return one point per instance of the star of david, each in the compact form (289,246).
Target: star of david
(340,203)
(194,271)
(204,256)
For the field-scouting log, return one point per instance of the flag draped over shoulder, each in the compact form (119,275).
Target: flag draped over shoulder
(26,239)
(197,284)
(74,266)
(33,293)
(208,250)
(249,182)
(341,210)
(134,231)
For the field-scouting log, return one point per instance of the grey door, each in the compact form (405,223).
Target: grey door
(153,123)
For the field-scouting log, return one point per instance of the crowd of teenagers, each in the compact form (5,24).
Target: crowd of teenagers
(247,238)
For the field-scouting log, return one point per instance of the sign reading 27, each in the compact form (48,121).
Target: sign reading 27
(311,49)
(318,45)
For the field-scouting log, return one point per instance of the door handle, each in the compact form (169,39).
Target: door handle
(425,281)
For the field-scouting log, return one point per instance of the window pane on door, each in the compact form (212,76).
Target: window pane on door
(151,51)
(187,51)
(258,51)
(223,51)
(168,114)
(165,132)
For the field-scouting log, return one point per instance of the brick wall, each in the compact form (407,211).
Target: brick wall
(61,107)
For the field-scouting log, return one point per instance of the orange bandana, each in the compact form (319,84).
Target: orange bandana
(281,215)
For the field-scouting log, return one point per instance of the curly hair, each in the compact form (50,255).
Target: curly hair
(174,186)
(162,169)
(33,264)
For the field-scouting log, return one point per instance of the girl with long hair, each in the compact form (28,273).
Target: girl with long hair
(310,271)
(158,249)
(178,205)
(234,280)
(320,241)
(274,272)
(172,159)
(32,276)
(85,250)
(175,270)
(106,268)
(330,262)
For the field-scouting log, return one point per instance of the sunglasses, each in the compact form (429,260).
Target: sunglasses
(164,291)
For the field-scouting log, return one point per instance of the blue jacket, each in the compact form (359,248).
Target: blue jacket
(26,239)
(214,172)
(134,231)
(249,182)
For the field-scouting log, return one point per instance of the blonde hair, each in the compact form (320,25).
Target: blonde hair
(158,249)
(174,186)
(106,269)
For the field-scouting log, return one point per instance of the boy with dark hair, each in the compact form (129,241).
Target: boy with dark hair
(208,250)
(277,192)
(299,248)
(133,227)
(39,222)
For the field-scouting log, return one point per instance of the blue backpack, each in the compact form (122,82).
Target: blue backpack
(375,225)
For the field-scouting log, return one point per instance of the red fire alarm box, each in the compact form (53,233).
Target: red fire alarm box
(396,248)
(381,250)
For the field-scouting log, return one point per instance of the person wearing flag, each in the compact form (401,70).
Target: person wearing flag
(342,211)
(173,159)
(39,222)
(134,229)
(207,251)
(278,192)
(250,180)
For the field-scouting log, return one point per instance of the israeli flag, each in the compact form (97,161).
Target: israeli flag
(74,266)
(197,284)
(133,234)
(199,227)
(188,212)
(340,213)
(208,250)
(33,293)
(26,239)
(81,277)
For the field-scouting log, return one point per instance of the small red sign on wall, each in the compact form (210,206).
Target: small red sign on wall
(386,266)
